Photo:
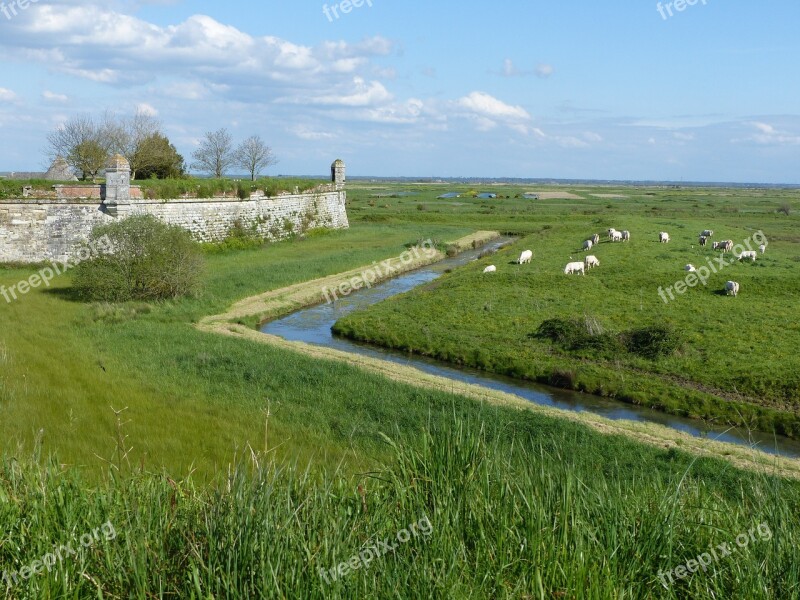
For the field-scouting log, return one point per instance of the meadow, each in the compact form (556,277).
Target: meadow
(237,469)
(733,360)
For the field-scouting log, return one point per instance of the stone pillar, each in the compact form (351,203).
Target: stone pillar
(338,173)
(118,184)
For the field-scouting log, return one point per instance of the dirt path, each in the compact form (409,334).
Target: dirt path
(284,301)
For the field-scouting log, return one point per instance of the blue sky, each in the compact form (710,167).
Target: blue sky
(603,90)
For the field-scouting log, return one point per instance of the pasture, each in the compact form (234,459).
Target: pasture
(240,469)
(735,360)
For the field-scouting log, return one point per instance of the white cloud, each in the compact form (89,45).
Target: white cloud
(7,95)
(53,97)
(358,93)
(544,70)
(489,107)
(144,108)
(768,135)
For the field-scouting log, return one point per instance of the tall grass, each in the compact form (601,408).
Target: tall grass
(509,518)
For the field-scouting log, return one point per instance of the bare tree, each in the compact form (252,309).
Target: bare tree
(215,153)
(254,156)
(127,135)
(82,143)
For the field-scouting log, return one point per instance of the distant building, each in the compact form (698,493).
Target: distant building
(58,171)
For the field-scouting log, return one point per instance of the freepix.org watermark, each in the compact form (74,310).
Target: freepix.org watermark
(724,550)
(12,9)
(379,271)
(701,274)
(105,532)
(344,7)
(46,275)
(665,9)
(380,548)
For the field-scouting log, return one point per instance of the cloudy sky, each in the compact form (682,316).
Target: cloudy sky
(519,88)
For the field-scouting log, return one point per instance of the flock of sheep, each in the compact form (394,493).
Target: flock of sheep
(572,268)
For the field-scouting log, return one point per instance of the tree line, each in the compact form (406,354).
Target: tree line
(86,143)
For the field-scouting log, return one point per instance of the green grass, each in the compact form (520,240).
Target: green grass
(737,364)
(521,505)
(514,506)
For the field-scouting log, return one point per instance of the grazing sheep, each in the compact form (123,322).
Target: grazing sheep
(611,232)
(725,246)
(626,236)
(762,248)
(525,257)
(751,254)
(595,239)
(587,245)
(690,268)
(731,287)
(616,236)
(663,237)
(707,233)
(490,269)
(591,261)
(574,267)
(703,240)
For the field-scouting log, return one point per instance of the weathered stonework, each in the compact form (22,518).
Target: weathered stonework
(50,229)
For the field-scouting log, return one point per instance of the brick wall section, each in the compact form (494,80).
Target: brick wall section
(88,192)
(45,230)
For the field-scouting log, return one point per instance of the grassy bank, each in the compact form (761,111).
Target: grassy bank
(481,506)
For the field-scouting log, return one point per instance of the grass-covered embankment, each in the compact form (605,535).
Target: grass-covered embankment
(528,506)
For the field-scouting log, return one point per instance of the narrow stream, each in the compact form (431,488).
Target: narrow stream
(313,325)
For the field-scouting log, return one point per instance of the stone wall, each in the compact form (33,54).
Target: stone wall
(38,230)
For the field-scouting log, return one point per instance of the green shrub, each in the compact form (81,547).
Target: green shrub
(149,260)
(652,342)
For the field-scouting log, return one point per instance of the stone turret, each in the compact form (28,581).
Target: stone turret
(338,173)
(118,183)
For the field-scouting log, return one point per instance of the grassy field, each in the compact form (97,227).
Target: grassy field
(248,467)
(734,363)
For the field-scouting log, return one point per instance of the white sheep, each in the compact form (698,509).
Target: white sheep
(525,257)
(762,248)
(663,237)
(626,236)
(616,236)
(490,269)
(707,233)
(595,239)
(587,245)
(591,261)
(731,287)
(611,232)
(751,254)
(689,268)
(574,267)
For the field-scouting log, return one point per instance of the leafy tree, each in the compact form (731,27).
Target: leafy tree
(254,156)
(215,153)
(156,157)
(147,260)
(89,157)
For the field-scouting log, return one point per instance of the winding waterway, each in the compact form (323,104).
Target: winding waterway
(313,325)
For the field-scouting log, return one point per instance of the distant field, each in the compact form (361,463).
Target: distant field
(736,362)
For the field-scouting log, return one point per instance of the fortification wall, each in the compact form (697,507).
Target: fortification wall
(34,230)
